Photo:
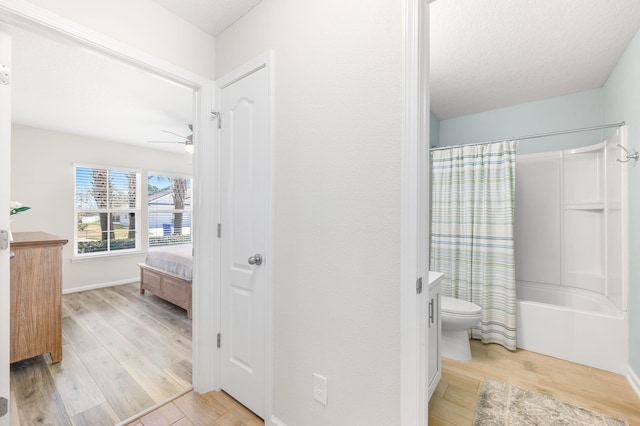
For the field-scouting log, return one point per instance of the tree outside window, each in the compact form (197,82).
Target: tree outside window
(169,205)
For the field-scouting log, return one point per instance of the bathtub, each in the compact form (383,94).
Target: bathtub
(571,324)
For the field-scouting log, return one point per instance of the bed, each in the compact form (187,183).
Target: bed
(167,273)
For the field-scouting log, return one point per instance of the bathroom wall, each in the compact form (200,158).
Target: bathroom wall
(434,130)
(583,109)
(622,102)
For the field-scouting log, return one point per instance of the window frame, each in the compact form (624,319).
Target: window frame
(138,212)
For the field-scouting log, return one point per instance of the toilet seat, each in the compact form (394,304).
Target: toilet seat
(458,307)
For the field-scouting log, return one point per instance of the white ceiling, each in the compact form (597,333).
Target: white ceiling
(211,16)
(496,53)
(63,87)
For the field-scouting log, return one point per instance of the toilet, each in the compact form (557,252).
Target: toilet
(457,316)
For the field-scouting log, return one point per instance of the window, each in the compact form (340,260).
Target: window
(169,204)
(107,210)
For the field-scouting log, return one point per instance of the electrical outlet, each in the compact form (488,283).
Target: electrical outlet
(320,388)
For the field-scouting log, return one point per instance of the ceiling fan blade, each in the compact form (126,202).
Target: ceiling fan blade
(172,133)
(180,142)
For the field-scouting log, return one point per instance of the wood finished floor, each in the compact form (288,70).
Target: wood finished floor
(122,353)
(455,398)
(212,408)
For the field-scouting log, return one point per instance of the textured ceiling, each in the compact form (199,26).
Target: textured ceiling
(496,53)
(211,16)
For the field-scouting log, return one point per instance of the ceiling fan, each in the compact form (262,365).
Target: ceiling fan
(187,141)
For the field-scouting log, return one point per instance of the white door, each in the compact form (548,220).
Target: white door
(5,188)
(244,216)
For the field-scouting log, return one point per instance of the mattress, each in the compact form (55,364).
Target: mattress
(176,260)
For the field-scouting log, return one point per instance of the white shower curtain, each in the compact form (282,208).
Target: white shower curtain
(473,190)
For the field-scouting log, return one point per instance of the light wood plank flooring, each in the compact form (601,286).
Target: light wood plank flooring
(212,408)
(454,400)
(122,353)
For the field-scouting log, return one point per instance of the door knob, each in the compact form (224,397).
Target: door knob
(255,260)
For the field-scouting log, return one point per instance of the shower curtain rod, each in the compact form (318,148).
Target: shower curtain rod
(540,135)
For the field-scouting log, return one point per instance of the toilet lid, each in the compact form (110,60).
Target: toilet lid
(458,306)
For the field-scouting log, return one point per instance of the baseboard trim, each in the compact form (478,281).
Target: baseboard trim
(277,422)
(634,381)
(100,285)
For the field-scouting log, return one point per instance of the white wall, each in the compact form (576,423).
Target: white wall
(582,109)
(622,102)
(42,177)
(338,136)
(144,25)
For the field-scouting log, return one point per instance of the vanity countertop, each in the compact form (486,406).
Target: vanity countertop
(435,278)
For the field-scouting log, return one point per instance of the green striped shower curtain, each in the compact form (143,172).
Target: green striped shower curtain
(472,209)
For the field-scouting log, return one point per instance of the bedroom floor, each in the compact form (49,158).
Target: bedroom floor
(122,353)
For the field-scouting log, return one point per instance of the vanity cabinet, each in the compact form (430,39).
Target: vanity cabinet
(36,295)
(434,328)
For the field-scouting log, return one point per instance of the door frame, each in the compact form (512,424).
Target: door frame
(5,193)
(266,61)
(414,234)
(26,15)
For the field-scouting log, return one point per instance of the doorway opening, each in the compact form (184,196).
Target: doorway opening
(122,295)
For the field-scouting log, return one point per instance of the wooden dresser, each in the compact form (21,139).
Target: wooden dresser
(36,295)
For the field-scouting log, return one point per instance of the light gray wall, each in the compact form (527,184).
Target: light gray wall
(434,130)
(338,140)
(42,177)
(583,109)
(622,102)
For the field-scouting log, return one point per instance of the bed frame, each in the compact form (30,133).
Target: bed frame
(166,286)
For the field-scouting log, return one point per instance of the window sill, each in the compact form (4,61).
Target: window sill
(93,257)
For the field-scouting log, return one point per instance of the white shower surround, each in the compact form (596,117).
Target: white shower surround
(572,296)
